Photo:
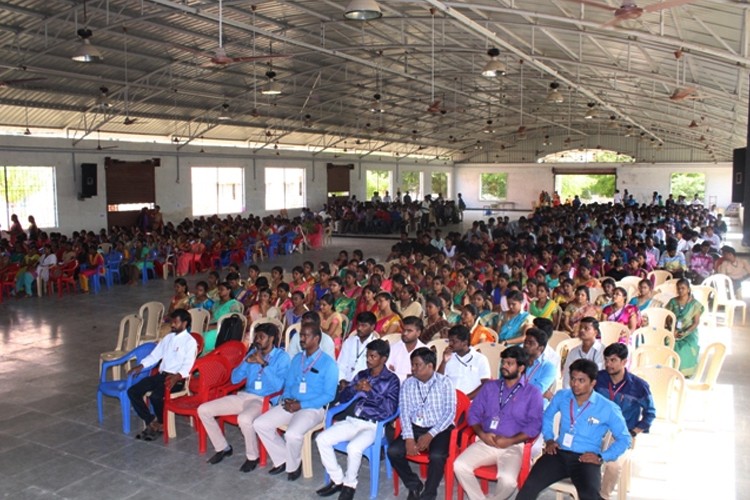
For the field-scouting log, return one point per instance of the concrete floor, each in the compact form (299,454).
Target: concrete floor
(51,445)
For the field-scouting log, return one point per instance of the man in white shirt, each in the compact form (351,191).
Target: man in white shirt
(177,353)
(353,356)
(399,361)
(326,342)
(590,348)
(467,368)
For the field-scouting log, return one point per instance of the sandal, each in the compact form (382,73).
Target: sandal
(152,434)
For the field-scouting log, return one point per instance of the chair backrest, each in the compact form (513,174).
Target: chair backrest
(652,355)
(248,339)
(594,293)
(659,276)
(439,346)
(630,281)
(660,318)
(233,351)
(130,332)
(106,247)
(213,372)
(649,335)
(703,294)
(612,331)
(668,390)
(492,350)
(557,337)
(198,340)
(294,327)
(461,419)
(723,286)
(345,325)
(199,319)
(391,338)
(669,286)
(242,327)
(709,366)
(564,347)
(152,314)
(661,299)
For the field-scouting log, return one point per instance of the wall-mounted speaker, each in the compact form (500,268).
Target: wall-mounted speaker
(739,169)
(88,180)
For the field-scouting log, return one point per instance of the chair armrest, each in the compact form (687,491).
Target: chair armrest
(467,437)
(230,388)
(335,410)
(380,429)
(267,400)
(526,460)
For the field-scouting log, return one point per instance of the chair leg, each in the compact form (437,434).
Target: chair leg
(374,458)
(169,422)
(125,410)
(100,406)
(307,456)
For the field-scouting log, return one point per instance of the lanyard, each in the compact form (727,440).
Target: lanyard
(466,365)
(530,375)
(573,418)
(302,360)
(364,349)
(510,396)
(612,392)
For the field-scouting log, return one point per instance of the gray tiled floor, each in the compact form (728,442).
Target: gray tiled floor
(52,446)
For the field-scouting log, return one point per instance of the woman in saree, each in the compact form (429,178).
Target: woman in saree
(264,308)
(688,312)
(645,294)
(580,308)
(200,300)
(389,320)
(94,268)
(341,303)
(514,322)
(565,293)
(435,325)
(459,290)
(621,312)
(331,322)
(300,284)
(543,306)
(478,332)
(225,305)
(366,302)
(408,304)
(180,300)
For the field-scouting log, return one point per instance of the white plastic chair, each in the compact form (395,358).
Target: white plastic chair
(250,336)
(704,294)
(564,347)
(439,346)
(307,470)
(668,390)
(492,350)
(659,317)
(594,294)
(557,337)
(127,340)
(652,355)
(653,336)
(661,299)
(612,331)
(725,297)
(199,320)
(659,276)
(392,338)
(711,360)
(630,281)
(294,327)
(152,314)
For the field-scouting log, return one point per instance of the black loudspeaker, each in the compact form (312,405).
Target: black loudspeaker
(88,180)
(739,170)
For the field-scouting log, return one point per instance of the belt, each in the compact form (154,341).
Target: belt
(372,421)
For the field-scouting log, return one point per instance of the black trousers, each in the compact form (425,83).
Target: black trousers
(587,478)
(155,385)
(438,456)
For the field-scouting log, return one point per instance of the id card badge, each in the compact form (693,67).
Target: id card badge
(494,423)
(258,385)
(358,411)
(303,387)
(568,440)
(678,326)
(418,421)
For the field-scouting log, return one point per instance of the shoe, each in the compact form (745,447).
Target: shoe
(414,494)
(219,456)
(277,470)
(329,489)
(347,493)
(293,476)
(249,465)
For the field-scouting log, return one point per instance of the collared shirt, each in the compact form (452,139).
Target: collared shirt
(521,408)
(271,377)
(399,362)
(595,354)
(672,263)
(381,401)
(467,372)
(542,373)
(702,264)
(176,352)
(353,356)
(319,374)
(590,423)
(326,344)
(430,404)
(632,395)
(551,355)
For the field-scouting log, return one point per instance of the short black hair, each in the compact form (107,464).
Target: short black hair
(367,317)
(311,317)
(544,324)
(425,354)
(616,349)
(585,366)
(516,352)
(460,332)
(269,329)
(380,346)
(182,315)
(414,321)
(592,321)
(539,335)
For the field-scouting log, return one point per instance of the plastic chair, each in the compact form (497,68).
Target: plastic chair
(709,366)
(652,355)
(653,336)
(612,331)
(232,419)
(725,297)
(564,347)
(127,339)
(392,338)
(658,276)
(105,247)
(148,265)
(372,452)
(212,373)
(488,473)
(65,279)
(557,337)
(294,327)
(658,317)
(8,279)
(668,390)
(199,320)
(705,294)
(595,293)
(459,423)
(119,388)
(251,334)
(112,269)
(631,281)
(272,245)
(492,351)
(152,314)
(95,279)
(439,346)
(170,262)
(307,471)
(661,299)
(242,317)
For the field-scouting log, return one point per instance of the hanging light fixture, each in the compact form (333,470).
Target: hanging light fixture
(224,113)
(86,53)
(363,10)
(591,113)
(612,121)
(273,87)
(494,67)
(554,95)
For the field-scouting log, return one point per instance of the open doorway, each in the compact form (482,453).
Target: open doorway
(594,187)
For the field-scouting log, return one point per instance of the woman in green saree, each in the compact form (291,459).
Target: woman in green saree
(688,316)
(225,305)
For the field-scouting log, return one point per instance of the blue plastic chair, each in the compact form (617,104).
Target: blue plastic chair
(274,242)
(288,239)
(148,265)
(113,262)
(250,251)
(119,388)
(372,453)
(96,286)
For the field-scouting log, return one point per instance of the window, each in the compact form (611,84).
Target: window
(688,185)
(28,191)
(588,187)
(218,190)
(377,181)
(493,187)
(439,181)
(411,182)
(285,188)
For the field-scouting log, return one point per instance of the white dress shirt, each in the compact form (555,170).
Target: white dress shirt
(595,354)
(399,362)
(467,372)
(176,351)
(326,345)
(353,356)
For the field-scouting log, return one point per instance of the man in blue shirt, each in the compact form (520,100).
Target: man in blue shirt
(309,386)
(378,392)
(633,395)
(576,453)
(264,371)
(540,372)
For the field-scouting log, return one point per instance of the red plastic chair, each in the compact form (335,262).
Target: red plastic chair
(8,280)
(66,278)
(207,375)
(459,424)
(198,340)
(232,419)
(488,473)
(233,353)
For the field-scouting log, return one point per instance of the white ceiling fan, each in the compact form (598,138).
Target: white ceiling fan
(629,10)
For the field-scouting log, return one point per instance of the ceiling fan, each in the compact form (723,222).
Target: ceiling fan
(219,57)
(681,94)
(629,10)
(12,83)
(99,146)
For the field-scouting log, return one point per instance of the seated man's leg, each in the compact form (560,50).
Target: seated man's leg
(357,445)
(139,390)
(397,456)
(301,422)
(547,470)
(207,412)
(587,478)
(339,432)
(252,406)
(435,470)
(266,426)
(611,476)
(477,455)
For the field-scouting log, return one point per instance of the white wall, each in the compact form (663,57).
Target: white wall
(525,181)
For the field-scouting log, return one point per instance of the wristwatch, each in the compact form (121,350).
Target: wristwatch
(601,460)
